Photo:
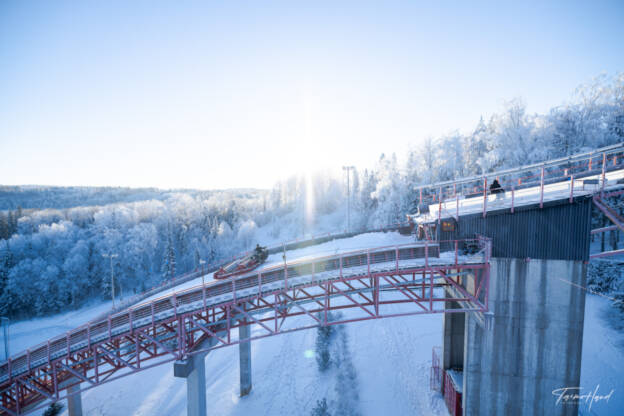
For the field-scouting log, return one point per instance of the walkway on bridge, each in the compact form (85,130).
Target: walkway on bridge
(178,325)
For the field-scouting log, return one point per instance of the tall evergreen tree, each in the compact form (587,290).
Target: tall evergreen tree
(12,224)
(169,262)
(321,408)
(4,227)
(6,263)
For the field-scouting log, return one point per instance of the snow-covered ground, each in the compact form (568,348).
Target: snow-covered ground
(603,357)
(391,357)
(29,333)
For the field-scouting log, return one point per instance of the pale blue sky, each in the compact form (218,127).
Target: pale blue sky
(240,94)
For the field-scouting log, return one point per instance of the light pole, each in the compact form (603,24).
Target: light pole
(111,256)
(201,263)
(347,169)
(4,321)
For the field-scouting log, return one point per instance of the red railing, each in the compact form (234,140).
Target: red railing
(315,281)
(452,397)
(213,267)
(435,375)
(573,168)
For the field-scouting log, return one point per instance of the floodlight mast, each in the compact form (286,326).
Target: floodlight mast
(201,263)
(347,169)
(111,256)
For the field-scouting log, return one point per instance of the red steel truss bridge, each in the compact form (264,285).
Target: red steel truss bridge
(176,326)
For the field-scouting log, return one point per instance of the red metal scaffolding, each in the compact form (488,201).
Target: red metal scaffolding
(174,326)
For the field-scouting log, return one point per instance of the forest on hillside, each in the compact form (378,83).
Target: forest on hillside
(52,240)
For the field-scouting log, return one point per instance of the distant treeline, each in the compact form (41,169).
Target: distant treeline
(8,223)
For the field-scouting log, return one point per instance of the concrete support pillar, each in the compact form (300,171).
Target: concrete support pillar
(453,346)
(245,360)
(74,402)
(194,370)
(534,345)
(196,387)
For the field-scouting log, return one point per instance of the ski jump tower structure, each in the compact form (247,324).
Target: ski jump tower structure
(507,274)
(516,358)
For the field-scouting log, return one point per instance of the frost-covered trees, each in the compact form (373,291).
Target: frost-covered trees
(321,408)
(323,339)
(74,269)
(56,253)
(389,193)
(53,410)
(54,260)
(4,226)
(9,222)
(169,258)
(333,356)
(247,233)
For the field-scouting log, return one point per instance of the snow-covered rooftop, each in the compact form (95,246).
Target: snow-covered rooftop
(523,197)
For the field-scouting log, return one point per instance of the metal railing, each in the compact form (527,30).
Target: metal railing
(273,248)
(282,277)
(572,168)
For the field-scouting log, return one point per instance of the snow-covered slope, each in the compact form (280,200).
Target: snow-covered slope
(602,364)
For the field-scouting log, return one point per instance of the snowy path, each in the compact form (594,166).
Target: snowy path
(393,358)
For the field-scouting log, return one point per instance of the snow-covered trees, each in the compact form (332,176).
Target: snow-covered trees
(324,336)
(169,258)
(333,353)
(321,408)
(56,253)
(247,233)
(389,193)
(54,259)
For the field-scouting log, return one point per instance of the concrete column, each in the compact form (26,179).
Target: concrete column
(196,387)
(194,370)
(74,402)
(453,345)
(534,345)
(245,360)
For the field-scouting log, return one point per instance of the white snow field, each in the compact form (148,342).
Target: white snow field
(602,365)
(391,357)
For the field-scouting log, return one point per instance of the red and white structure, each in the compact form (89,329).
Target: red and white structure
(176,326)
(421,276)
